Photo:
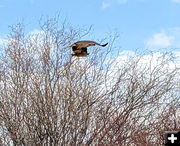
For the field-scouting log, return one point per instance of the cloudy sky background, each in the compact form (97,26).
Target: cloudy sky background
(142,24)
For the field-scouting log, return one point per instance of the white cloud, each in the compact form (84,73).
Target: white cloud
(160,40)
(36,32)
(176,1)
(148,59)
(175,32)
(122,1)
(164,39)
(127,53)
(105,5)
(145,65)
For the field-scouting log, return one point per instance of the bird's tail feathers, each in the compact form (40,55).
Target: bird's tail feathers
(104,45)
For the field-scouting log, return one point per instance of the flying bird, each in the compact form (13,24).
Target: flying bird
(80,48)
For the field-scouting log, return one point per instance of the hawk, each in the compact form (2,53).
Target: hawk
(80,48)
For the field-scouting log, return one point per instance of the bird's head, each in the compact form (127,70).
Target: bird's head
(74,47)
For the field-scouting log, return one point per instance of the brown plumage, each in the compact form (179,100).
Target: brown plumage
(80,48)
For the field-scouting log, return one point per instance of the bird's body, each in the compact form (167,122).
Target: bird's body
(83,54)
(80,48)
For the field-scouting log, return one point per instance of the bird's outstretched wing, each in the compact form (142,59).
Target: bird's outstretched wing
(85,44)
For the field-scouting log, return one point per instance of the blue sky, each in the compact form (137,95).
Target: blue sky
(142,24)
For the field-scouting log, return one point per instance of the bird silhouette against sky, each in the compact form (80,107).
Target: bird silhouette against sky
(80,48)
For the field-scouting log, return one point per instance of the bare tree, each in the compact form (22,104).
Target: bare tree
(48,97)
